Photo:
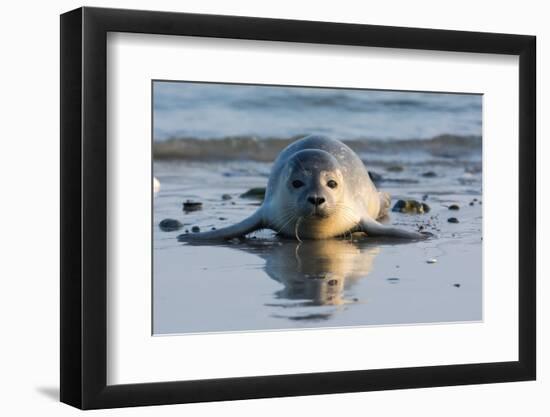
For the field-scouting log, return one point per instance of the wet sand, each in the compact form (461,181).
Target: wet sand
(267,283)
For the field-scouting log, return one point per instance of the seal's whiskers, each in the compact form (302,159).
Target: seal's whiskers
(296,229)
(287,217)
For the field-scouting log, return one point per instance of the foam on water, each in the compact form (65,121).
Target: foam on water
(446,148)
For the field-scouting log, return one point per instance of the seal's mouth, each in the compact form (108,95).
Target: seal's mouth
(318,214)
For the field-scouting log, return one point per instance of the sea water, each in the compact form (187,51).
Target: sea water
(210,110)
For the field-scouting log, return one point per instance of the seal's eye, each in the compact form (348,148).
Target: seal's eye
(332,184)
(297,183)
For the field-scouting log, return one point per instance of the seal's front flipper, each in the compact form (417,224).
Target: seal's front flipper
(245,227)
(385,202)
(373,228)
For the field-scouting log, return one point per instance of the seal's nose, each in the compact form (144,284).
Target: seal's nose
(316,201)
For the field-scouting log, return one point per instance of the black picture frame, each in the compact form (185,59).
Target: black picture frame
(84,207)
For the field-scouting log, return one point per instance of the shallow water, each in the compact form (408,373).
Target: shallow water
(266,283)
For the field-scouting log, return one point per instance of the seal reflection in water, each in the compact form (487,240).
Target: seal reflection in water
(318,188)
(313,273)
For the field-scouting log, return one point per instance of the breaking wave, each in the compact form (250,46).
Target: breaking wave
(251,148)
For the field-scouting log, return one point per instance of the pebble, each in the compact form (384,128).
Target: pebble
(429,174)
(456,285)
(226,197)
(393,280)
(156,185)
(375,177)
(257,193)
(454,207)
(452,220)
(432,261)
(410,206)
(222,218)
(195,229)
(471,203)
(192,205)
(169,225)
(332,282)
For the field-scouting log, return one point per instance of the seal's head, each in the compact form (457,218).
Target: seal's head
(314,184)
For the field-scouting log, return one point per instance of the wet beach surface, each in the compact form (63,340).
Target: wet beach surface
(268,283)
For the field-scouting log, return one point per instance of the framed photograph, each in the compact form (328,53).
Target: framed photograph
(258,208)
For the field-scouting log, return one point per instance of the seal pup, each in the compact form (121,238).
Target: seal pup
(318,188)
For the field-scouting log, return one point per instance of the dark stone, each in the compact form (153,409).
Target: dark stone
(456,285)
(256,193)
(454,207)
(452,220)
(429,174)
(226,197)
(169,225)
(192,205)
(332,282)
(375,177)
(195,229)
(410,206)
(399,205)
